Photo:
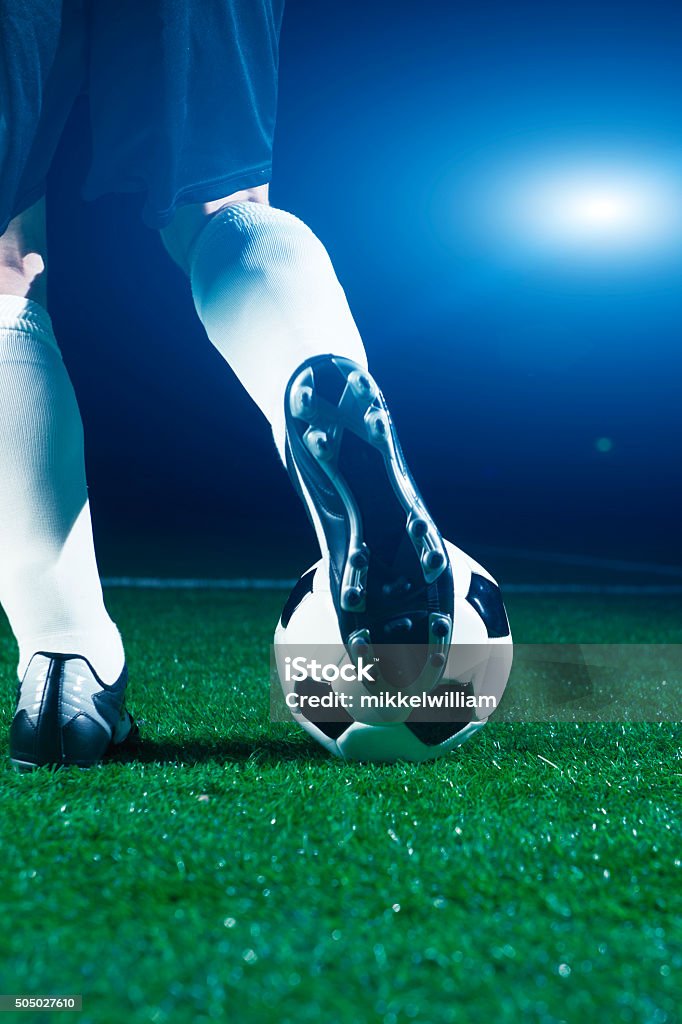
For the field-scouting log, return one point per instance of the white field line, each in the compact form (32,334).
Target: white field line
(588,561)
(251,583)
(191,583)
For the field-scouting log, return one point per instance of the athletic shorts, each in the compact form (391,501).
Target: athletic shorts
(182,96)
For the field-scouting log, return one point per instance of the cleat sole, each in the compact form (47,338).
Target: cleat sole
(390,576)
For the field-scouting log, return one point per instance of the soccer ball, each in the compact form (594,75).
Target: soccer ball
(362,727)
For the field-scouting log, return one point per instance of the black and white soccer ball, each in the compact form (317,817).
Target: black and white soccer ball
(478,667)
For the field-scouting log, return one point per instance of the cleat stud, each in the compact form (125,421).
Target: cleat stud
(440,629)
(380,427)
(361,383)
(359,560)
(434,560)
(419,528)
(352,596)
(438,660)
(302,401)
(319,444)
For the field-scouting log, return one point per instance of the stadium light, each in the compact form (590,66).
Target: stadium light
(588,211)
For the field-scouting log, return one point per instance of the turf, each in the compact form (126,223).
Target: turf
(227,869)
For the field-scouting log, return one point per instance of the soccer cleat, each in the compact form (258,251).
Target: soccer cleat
(66,715)
(390,576)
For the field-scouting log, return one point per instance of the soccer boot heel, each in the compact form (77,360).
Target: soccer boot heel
(66,715)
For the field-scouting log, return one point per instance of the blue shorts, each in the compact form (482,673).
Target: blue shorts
(182,96)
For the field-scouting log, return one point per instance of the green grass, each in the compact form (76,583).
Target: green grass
(233,871)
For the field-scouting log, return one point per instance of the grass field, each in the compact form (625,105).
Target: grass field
(227,869)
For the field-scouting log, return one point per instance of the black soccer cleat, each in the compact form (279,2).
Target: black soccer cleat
(66,715)
(390,575)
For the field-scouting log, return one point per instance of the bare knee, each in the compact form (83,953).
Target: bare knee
(23,255)
(180,235)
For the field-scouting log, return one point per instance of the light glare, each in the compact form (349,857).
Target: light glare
(577,211)
(587,212)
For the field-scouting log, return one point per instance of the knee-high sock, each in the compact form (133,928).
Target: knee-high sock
(266,292)
(49,584)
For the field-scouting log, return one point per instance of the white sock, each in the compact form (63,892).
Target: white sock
(266,292)
(49,584)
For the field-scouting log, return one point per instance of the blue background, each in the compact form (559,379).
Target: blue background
(502,366)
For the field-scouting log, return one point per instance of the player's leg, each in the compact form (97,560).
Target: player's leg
(267,294)
(69,708)
(70,698)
